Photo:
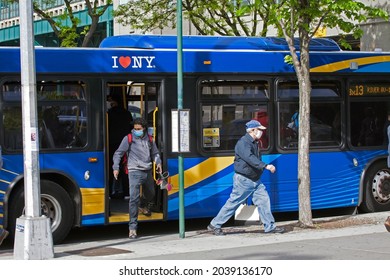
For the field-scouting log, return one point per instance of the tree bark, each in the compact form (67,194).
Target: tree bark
(303,74)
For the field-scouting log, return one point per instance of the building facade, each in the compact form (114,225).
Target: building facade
(44,35)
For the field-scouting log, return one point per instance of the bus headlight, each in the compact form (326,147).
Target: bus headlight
(355,162)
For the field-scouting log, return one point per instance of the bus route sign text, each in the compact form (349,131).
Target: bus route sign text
(369,89)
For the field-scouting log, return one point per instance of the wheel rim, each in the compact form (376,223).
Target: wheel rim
(51,208)
(381,186)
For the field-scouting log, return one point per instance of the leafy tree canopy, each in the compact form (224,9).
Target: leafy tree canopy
(250,17)
(222,17)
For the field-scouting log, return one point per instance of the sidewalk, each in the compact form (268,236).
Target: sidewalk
(161,246)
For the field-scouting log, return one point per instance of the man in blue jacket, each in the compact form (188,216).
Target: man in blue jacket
(248,168)
(141,153)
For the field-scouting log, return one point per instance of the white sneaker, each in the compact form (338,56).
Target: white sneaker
(132,234)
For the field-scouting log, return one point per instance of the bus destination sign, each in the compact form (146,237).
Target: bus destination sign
(369,89)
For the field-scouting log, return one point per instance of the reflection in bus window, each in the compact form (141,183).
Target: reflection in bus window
(224,125)
(325,121)
(62,119)
(12,127)
(367,120)
(223,121)
(234,89)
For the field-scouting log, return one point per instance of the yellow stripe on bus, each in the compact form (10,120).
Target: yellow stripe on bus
(93,201)
(121,217)
(337,66)
(201,172)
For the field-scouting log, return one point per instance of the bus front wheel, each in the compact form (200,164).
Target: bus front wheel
(56,204)
(376,189)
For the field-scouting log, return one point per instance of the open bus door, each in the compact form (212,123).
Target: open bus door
(141,100)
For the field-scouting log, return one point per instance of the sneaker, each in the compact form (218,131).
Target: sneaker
(216,231)
(145,211)
(132,234)
(3,235)
(277,230)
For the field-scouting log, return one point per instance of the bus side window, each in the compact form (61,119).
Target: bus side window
(12,124)
(367,120)
(369,129)
(288,128)
(51,127)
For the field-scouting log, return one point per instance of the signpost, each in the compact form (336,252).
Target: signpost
(179,26)
(33,236)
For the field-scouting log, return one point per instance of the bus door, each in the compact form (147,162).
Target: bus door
(126,101)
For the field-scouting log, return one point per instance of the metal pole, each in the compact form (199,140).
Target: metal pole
(33,238)
(30,148)
(179,26)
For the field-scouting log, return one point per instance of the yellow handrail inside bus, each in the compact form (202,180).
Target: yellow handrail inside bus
(154,138)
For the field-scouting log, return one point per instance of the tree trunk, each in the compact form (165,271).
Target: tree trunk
(303,74)
(92,28)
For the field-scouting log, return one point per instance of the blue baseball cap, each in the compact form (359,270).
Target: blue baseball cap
(254,124)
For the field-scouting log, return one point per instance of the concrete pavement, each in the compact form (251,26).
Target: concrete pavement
(203,245)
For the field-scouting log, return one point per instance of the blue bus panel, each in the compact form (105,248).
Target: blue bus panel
(208,174)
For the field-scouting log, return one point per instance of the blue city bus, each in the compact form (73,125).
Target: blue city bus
(226,82)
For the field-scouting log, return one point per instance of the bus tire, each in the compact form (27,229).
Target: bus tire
(376,192)
(56,204)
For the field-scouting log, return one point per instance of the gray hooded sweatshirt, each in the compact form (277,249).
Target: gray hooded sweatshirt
(140,153)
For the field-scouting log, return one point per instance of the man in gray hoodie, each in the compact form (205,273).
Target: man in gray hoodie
(141,153)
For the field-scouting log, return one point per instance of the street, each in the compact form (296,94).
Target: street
(369,246)
(365,240)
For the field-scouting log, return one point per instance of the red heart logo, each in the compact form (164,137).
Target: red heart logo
(124,61)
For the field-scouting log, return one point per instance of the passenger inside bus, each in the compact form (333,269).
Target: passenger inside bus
(369,129)
(51,127)
(385,126)
(120,123)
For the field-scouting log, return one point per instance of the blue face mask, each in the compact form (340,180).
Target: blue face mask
(138,133)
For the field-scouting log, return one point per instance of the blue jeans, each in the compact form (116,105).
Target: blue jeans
(242,189)
(136,179)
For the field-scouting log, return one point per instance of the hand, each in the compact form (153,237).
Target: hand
(116,173)
(159,168)
(271,168)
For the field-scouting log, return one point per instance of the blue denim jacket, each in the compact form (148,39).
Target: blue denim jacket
(247,160)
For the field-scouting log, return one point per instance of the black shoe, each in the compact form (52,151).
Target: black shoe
(117,195)
(216,231)
(145,211)
(277,230)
